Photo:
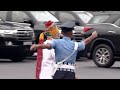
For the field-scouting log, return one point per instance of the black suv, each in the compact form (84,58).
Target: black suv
(15,40)
(107,45)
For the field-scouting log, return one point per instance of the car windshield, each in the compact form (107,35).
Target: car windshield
(44,16)
(98,19)
(84,16)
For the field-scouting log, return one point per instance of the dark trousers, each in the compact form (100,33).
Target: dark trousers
(64,75)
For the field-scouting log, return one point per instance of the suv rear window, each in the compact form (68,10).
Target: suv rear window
(3,15)
(98,19)
(44,16)
(85,16)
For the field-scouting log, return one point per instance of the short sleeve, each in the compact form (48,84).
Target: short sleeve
(81,46)
(52,44)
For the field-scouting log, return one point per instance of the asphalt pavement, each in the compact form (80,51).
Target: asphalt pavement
(85,69)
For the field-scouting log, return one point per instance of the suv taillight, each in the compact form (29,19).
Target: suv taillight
(87,29)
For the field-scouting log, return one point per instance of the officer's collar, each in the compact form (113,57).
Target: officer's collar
(67,38)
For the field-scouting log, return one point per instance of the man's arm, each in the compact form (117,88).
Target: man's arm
(90,38)
(43,46)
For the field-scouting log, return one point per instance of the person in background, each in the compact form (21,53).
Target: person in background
(45,57)
(63,48)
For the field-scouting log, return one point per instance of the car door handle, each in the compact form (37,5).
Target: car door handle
(112,32)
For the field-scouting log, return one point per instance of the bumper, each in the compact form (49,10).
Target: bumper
(8,51)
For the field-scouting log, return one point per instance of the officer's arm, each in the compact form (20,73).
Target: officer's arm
(43,46)
(90,38)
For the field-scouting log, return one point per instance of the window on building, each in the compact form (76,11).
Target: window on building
(98,19)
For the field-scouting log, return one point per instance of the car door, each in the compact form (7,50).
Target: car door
(116,38)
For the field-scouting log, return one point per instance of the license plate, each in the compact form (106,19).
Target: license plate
(27,43)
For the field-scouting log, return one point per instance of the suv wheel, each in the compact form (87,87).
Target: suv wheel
(2,42)
(103,56)
(18,56)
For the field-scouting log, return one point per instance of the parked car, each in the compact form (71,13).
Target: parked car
(35,18)
(79,16)
(15,40)
(107,45)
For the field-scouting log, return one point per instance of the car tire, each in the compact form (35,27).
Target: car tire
(77,57)
(2,42)
(103,56)
(30,53)
(19,56)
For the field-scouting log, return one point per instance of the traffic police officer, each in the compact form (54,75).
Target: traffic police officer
(63,48)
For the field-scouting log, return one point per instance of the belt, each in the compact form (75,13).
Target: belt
(64,67)
(67,63)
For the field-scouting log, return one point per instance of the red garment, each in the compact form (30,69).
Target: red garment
(39,60)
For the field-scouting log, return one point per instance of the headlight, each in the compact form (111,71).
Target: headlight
(5,32)
(2,34)
(8,32)
(73,31)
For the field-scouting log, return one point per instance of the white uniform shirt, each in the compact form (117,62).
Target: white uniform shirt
(47,63)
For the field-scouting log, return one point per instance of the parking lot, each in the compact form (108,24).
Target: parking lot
(86,69)
(20,29)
